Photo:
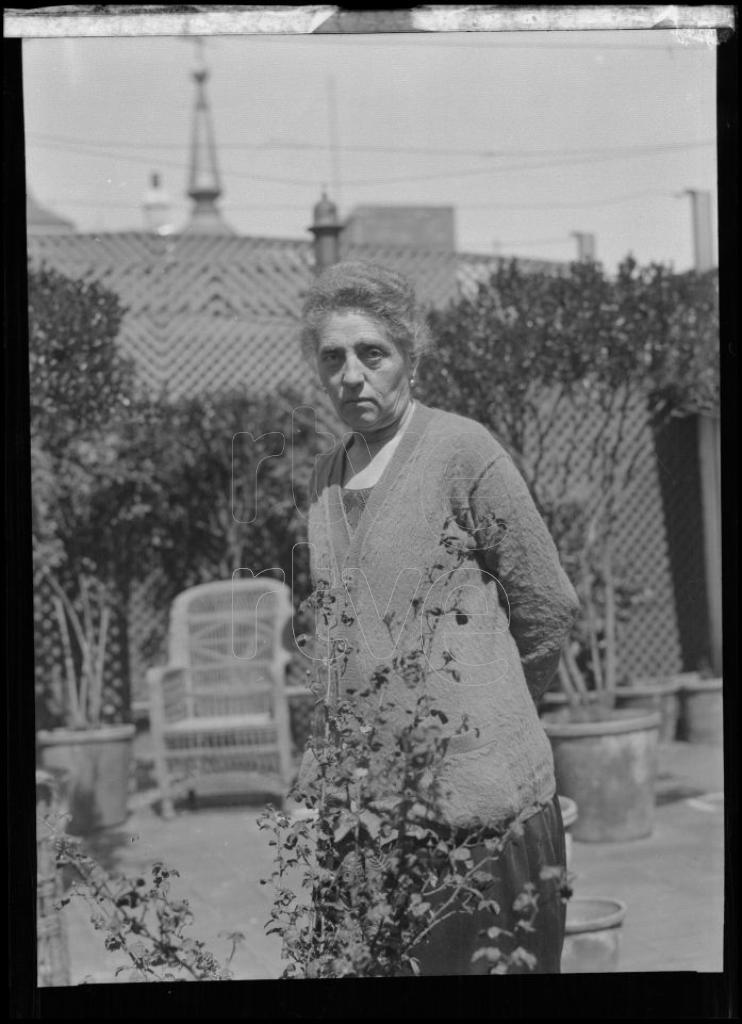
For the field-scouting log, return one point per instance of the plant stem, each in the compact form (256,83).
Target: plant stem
(574,671)
(610,617)
(96,695)
(70,679)
(86,641)
(568,685)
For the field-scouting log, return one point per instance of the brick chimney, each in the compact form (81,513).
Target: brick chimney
(157,207)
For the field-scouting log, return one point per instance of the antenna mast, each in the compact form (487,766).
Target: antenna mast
(332,115)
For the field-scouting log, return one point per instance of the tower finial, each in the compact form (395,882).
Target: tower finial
(204,184)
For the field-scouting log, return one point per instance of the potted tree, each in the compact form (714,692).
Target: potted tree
(605,757)
(92,754)
(81,392)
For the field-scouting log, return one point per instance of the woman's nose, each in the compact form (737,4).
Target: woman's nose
(352,373)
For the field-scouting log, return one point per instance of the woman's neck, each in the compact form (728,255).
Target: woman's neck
(376,439)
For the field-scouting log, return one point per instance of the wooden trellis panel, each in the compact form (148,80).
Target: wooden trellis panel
(147,636)
(649,643)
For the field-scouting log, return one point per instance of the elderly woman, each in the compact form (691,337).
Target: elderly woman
(385,507)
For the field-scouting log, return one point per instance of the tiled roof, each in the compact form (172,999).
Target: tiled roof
(210,311)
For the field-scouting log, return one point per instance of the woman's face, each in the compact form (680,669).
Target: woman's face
(365,373)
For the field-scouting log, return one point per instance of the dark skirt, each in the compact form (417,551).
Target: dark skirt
(450,946)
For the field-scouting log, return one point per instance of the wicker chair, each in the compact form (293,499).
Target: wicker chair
(219,706)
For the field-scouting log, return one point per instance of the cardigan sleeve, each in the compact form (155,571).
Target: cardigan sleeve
(517,548)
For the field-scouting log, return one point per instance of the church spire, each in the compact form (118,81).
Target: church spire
(204,185)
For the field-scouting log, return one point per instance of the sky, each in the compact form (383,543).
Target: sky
(529,136)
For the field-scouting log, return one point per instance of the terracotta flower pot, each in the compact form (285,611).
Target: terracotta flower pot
(702,711)
(591,942)
(649,694)
(608,767)
(98,762)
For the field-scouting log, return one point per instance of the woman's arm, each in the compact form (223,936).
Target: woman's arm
(518,550)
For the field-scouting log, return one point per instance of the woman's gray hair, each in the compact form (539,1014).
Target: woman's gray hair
(363,287)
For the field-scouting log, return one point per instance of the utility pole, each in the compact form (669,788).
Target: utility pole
(703,239)
(332,115)
(709,444)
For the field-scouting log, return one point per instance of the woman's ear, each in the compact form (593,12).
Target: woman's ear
(412,370)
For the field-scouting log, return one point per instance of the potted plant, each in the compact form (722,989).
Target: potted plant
(605,757)
(95,755)
(81,395)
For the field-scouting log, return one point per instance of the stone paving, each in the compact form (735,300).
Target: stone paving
(672,882)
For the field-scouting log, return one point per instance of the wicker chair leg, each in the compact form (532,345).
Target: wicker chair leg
(163,782)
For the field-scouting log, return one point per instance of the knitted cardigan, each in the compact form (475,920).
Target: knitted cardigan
(503,612)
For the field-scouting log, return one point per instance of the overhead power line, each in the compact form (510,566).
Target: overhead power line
(624,153)
(286,144)
(299,208)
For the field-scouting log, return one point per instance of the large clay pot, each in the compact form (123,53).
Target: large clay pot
(654,695)
(98,762)
(591,941)
(702,711)
(555,707)
(608,767)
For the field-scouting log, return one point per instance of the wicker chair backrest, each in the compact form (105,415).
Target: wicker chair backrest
(228,636)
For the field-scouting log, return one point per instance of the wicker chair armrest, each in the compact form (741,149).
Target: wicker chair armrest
(168,688)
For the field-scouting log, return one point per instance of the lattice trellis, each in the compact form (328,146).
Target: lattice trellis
(649,643)
(147,635)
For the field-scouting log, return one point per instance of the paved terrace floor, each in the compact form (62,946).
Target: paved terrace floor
(672,881)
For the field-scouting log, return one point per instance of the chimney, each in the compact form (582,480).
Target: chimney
(157,208)
(326,229)
(585,246)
